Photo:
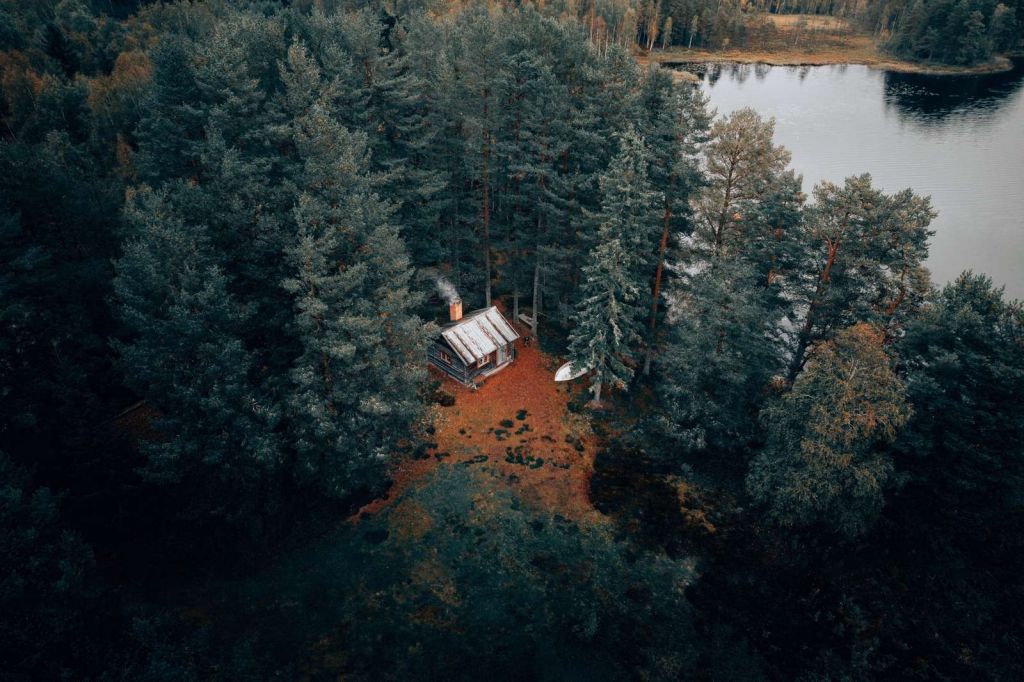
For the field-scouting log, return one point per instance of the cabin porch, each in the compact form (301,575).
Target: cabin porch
(445,360)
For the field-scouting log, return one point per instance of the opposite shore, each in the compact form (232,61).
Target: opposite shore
(856,50)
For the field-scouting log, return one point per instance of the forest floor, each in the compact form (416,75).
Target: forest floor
(807,40)
(518,429)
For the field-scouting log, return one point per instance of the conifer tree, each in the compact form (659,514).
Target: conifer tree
(403,136)
(354,383)
(522,173)
(821,463)
(185,354)
(862,255)
(743,168)
(674,122)
(629,207)
(600,104)
(607,318)
(721,353)
(58,224)
(479,59)
(167,135)
(49,594)
(535,149)
(964,357)
(612,303)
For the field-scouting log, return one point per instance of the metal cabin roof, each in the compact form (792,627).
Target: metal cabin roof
(478,334)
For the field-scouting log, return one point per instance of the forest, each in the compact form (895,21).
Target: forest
(222,227)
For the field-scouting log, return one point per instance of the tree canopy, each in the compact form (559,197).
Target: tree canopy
(222,224)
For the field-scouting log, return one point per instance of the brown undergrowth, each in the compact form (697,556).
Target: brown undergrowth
(517,429)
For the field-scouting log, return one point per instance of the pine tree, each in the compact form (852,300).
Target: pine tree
(607,326)
(522,173)
(975,44)
(722,351)
(964,358)
(479,57)
(821,463)
(674,122)
(405,125)
(600,103)
(185,354)
(168,134)
(862,261)
(49,580)
(355,381)
(58,220)
(612,303)
(629,208)
(744,167)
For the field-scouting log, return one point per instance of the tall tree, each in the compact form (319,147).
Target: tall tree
(743,167)
(607,328)
(612,304)
(58,220)
(173,125)
(721,354)
(217,437)
(964,358)
(355,381)
(864,254)
(479,60)
(49,583)
(821,464)
(674,122)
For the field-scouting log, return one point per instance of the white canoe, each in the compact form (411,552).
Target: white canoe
(567,373)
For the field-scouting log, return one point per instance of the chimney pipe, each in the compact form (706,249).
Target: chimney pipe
(455,310)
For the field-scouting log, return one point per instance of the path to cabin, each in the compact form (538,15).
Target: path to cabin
(516,428)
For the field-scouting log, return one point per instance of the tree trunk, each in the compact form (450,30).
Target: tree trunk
(666,221)
(595,388)
(517,248)
(536,295)
(723,215)
(805,334)
(647,360)
(486,180)
(801,349)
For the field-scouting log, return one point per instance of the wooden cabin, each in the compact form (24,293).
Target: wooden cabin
(471,348)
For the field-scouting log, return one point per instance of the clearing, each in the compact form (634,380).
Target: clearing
(518,430)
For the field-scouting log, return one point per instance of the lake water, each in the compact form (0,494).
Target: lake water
(959,139)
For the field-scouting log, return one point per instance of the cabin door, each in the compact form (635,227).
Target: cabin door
(502,355)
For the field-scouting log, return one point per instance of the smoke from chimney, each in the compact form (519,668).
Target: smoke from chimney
(450,294)
(447,290)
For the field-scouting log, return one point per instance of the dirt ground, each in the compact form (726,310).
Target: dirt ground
(804,40)
(517,428)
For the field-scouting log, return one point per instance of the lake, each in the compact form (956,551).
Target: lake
(959,139)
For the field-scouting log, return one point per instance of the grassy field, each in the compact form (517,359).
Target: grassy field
(805,40)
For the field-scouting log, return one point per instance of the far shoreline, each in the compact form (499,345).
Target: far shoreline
(866,55)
